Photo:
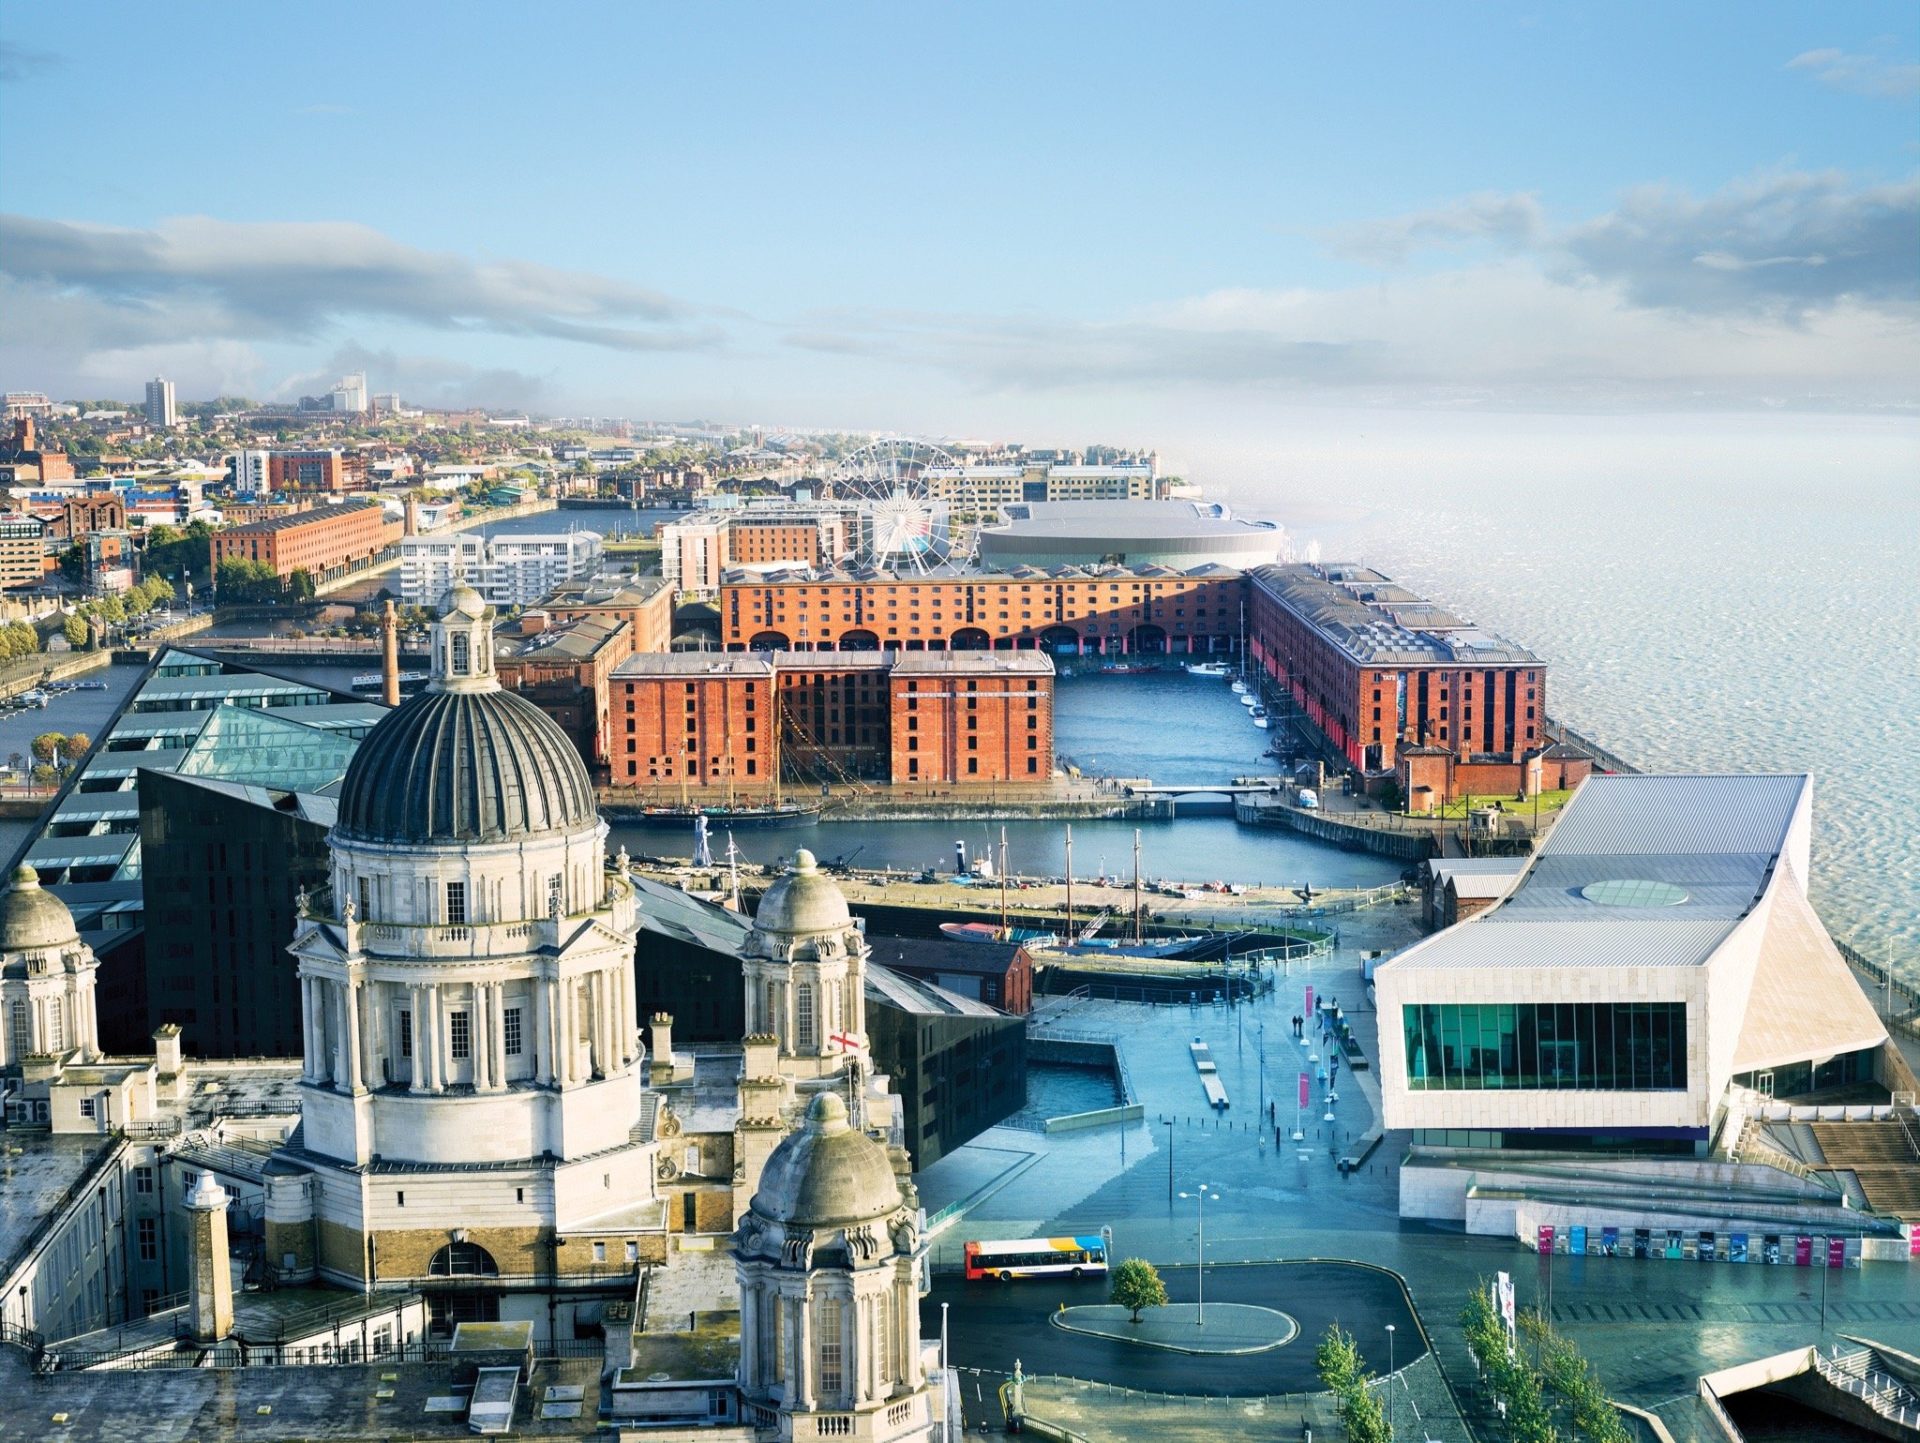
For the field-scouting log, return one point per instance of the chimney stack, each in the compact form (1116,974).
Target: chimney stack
(390,657)
(212,1272)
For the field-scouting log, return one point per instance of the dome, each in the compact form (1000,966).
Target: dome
(828,1173)
(802,902)
(462,600)
(465,766)
(31,918)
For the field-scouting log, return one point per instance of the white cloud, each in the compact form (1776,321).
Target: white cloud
(1872,75)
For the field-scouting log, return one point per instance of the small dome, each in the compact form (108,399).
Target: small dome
(828,1173)
(465,766)
(804,901)
(31,918)
(462,600)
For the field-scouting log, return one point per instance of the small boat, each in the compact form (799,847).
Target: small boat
(1114,947)
(1206,668)
(1247,699)
(89,686)
(1259,715)
(1122,668)
(36,697)
(987,932)
(1239,687)
(373,680)
(778,814)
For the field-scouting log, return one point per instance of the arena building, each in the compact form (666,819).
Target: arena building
(1177,534)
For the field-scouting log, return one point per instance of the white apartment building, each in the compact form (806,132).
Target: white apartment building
(250,471)
(160,407)
(692,553)
(349,393)
(506,570)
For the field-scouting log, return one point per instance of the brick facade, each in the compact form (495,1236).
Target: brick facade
(567,671)
(1113,613)
(739,723)
(325,542)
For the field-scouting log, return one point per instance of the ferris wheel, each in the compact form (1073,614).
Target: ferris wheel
(908,492)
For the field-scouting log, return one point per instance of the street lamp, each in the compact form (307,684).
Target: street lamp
(1389,1350)
(1201,1195)
(1169,1164)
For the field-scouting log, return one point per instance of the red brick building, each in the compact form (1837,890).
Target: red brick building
(742,723)
(316,471)
(1067,611)
(644,604)
(1377,668)
(326,542)
(999,974)
(567,671)
(82,515)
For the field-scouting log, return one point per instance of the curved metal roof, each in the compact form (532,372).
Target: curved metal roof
(465,766)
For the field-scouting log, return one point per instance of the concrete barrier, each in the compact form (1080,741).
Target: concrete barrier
(1099,1117)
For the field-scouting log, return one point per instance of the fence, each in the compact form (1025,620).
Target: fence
(165,1356)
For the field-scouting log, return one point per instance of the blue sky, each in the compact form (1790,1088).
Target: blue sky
(970,219)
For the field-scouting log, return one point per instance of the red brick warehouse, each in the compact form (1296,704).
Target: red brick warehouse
(1067,611)
(1378,668)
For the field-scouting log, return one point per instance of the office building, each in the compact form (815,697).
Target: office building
(509,571)
(23,549)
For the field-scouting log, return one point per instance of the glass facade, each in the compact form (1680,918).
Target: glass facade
(1597,1046)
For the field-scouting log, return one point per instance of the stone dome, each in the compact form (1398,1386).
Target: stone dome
(828,1173)
(462,600)
(465,766)
(32,918)
(802,902)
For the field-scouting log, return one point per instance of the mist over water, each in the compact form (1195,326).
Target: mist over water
(1738,595)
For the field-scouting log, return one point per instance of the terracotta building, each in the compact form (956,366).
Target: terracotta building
(23,459)
(316,471)
(644,603)
(1066,611)
(567,671)
(1377,667)
(743,722)
(81,515)
(326,542)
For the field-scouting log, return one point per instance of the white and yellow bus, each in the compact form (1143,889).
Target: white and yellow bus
(1037,1258)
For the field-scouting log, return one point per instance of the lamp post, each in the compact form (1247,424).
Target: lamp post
(1263,1068)
(1169,1164)
(1389,1350)
(1200,1273)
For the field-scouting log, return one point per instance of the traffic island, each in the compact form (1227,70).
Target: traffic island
(1227,1328)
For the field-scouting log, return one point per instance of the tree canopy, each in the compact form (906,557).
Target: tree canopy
(1137,1285)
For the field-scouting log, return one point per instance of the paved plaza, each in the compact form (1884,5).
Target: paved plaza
(1650,1326)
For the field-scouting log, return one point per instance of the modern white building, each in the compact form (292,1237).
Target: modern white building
(349,393)
(250,475)
(506,570)
(1657,957)
(160,407)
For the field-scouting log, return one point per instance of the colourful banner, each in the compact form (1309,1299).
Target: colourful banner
(1803,1251)
(1546,1238)
(1305,1093)
(1836,1252)
(1913,1241)
(1609,1242)
(1309,1004)
(1577,1240)
(1737,1248)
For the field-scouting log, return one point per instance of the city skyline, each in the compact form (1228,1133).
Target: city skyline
(1149,227)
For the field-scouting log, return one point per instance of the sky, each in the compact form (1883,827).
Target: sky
(1070,222)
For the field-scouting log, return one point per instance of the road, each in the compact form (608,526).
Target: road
(992,1324)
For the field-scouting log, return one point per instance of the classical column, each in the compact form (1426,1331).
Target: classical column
(417,1018)
(495,1043)
(569,1032)
(351,1037)
(426,1035)
(803,1349)
(336,998)
(850,1349)
(750,1337)
(308,1051)
(542,1032)
(371,1028)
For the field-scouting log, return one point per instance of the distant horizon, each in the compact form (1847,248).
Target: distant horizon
(1001,221)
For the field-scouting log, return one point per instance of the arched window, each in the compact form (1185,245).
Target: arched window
(458,665)
(463,1260)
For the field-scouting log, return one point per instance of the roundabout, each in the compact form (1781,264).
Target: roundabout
(991,1325)
(1225,1328)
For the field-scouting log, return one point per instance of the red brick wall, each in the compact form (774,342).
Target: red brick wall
(668,729)
(961,731)
(323,541)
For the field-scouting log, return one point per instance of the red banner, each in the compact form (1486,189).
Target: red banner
(1309,1004)
(1304,1094)
(1836,1252)
(1546,1239)
(1802,1252)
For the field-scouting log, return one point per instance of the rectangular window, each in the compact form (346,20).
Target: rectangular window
(89,1107)
(456,902)
(406,1033)
(826,1327)
(460,1036)
(599,1252)
(149,1240)
(143,1180)
(1568,1046)
(366,899)
(510,1029)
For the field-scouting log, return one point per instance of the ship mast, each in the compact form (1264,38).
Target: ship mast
(1069,881)
(1136,885)
(1004,935)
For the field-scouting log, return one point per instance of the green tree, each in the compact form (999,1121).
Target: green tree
(73,564)
(76,631)
(45,776)
(46,746)
(1137,1285)
(74,746)
(1338,1360)
(300,584)
(111,608)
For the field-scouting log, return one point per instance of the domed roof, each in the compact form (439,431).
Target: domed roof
(804,901)
(827,1173)
(465,766)
(462,600)
(31,918)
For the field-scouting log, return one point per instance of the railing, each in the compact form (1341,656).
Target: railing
(1858,1374)
(1720,1414)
